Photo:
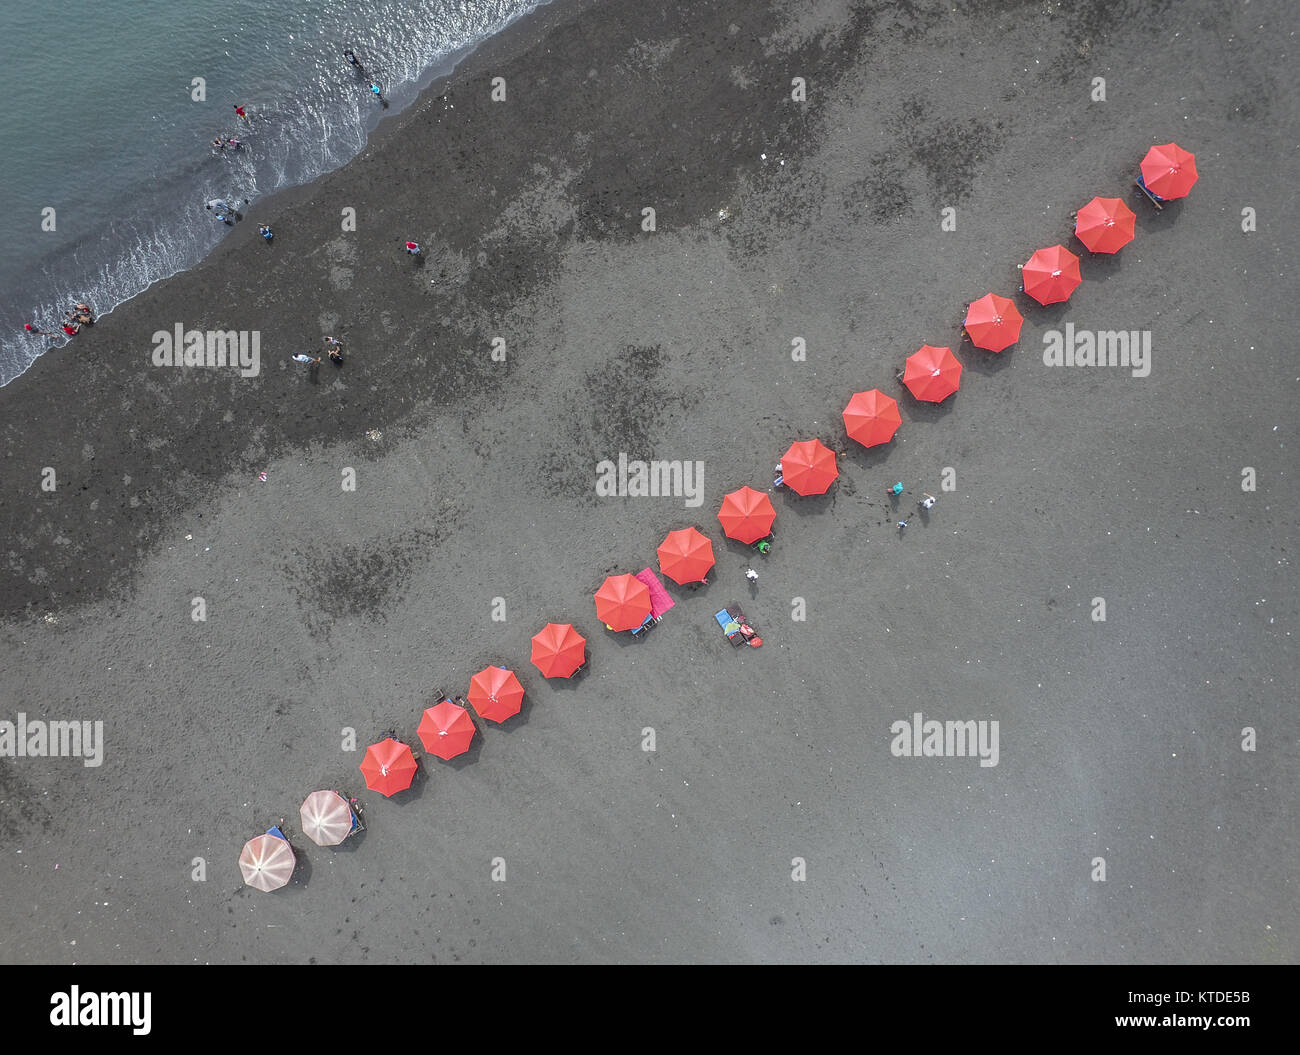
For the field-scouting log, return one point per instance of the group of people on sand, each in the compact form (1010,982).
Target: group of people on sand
(335,352)
(74,318)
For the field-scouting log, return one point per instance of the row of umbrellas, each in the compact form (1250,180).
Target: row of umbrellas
(1050,276)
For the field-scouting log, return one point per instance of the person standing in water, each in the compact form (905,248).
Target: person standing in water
(350,55)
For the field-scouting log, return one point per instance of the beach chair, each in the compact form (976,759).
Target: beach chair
(730,627)
(747,633)
(586,662)
(1155,199)
(639,632)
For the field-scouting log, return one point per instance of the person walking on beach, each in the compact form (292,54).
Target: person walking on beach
(414,248)
(335,350)
(897,489)
(265,231)
(242,115)
(901,525)
(927,500)
(751,575)
(303,357)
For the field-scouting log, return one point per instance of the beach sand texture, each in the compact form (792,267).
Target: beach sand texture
(775,219)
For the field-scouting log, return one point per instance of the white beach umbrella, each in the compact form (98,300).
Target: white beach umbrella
(267,862)
(326,818)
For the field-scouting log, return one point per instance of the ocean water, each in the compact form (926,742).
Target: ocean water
(101,125)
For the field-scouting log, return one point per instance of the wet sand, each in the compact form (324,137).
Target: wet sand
(329,609)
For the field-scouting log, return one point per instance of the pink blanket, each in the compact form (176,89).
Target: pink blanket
(660,602)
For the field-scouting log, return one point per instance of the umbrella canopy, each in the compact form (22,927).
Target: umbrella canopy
(932,374)
(1052,274)
(1169,171)
(993,322)
(267,862)
(446,729)
(1105,225)
(389,767)
(809,467)
(558,650)
(496,693)
(747,515)
(871,417)
(326,818)
(622,602)
(685,555)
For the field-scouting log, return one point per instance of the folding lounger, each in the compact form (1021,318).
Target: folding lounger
(729,627)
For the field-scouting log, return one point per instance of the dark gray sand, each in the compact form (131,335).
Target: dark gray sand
(776,219)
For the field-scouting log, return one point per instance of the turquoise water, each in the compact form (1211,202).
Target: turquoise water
(101,125)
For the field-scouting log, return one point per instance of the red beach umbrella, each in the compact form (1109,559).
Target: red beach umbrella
(932,374)
(809,467)
(685,556)
(389,767)
(1105,225)
(267,862)
(746,515)
(1052,274)
(871,417)
(993,322)
(1169,171)
(446,730)
(622,602)
(558,650)
(496,694)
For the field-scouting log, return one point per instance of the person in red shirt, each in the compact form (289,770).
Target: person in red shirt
(240,110)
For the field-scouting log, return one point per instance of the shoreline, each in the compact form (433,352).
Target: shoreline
(440,71)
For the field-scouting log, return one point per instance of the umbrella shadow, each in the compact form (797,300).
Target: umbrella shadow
(810,505)
(1041,314)
(571,683)
(920,410)
(687,591)
(301,871)
(1099,267)
(985,363)
(351,844)
(1149,218)
(870,457)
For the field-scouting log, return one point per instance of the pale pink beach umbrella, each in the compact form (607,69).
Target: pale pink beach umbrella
(326,818)
(267,862)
